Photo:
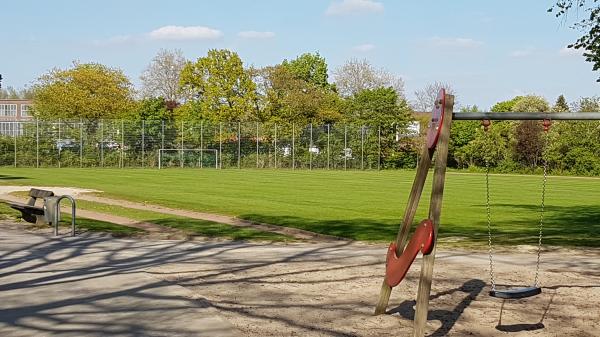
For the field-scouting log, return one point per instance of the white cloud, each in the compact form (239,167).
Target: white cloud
(363,48)
(346,7)
(454,42)
(522,52)
(565,51)
(250,34)
(185,33)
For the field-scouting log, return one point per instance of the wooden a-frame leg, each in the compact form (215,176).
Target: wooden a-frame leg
(435,211)
(409,215)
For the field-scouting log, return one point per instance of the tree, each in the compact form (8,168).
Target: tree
(86,90)
(12,93)
(161,77)
(221,86)
(426,96)
(380,106)
(358,75)
(589,42)
(560,105)
(288,98)
(311,68)
(587,104)
(506,106)
(529,146)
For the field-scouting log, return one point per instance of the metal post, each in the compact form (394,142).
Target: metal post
(220,145)
(37,143)
(201,143)
(275,145)
(310,149)
(379,152)
(328,126)
(15,140)
(362,147)
(239,139)
(80,142)
(121,163)
(256,144)
(181,147)
(143,142)
(102,143)
(345,147)
(162,135)
(293,146)
(58,144)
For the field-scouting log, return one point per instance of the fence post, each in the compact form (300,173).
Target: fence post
(310,149)
(102,143)
(121,163)
(239,137)
(379,154)
(275,145)
(143,141)
(328,155)
(162,135)
(181,147)
(345,147)
(37,143)
(293,146)
(256,144)
(80,142)
(221,145)
(201,143)
(15,140)
(362,147)
(58,143)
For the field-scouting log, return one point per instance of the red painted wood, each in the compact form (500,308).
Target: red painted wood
(397,266)
(437,119)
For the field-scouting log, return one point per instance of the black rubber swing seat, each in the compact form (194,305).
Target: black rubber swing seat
(516,293)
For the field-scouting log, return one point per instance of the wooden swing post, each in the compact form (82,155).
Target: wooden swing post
(429,149)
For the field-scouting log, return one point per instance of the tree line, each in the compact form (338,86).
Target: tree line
(218,88)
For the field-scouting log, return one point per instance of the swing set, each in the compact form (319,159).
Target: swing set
(402,252)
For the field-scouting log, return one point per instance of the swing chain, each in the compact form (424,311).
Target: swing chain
(486,124)
(542,206)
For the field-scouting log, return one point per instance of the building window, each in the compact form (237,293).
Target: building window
(11,129)
(25,110)
(8,110)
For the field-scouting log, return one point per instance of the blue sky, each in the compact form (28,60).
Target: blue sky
(487,50)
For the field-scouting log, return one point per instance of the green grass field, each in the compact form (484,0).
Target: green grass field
(358,205)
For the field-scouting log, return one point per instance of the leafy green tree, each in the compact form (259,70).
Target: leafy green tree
(589,42)
(311,68)
(506,106)
(86,90)
(380,106)
(223,89)
(529,145)
(463,132)
(560,105)
(588,104)
(288,98)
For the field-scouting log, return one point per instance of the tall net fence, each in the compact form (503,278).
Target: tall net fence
(194,144)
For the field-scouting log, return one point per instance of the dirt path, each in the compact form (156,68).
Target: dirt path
(156,231)
(233,221)
(87,194)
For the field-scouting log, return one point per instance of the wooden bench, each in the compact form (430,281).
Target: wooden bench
(29,211)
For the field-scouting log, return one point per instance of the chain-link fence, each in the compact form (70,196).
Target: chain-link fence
(166,144)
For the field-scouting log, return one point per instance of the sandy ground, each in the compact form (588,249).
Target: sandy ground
(331,290)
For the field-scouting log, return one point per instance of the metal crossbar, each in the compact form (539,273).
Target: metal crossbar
(500,116)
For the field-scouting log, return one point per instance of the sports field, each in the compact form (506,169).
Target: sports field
(359,205)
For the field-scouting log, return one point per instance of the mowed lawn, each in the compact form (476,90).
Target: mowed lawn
(362,205)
